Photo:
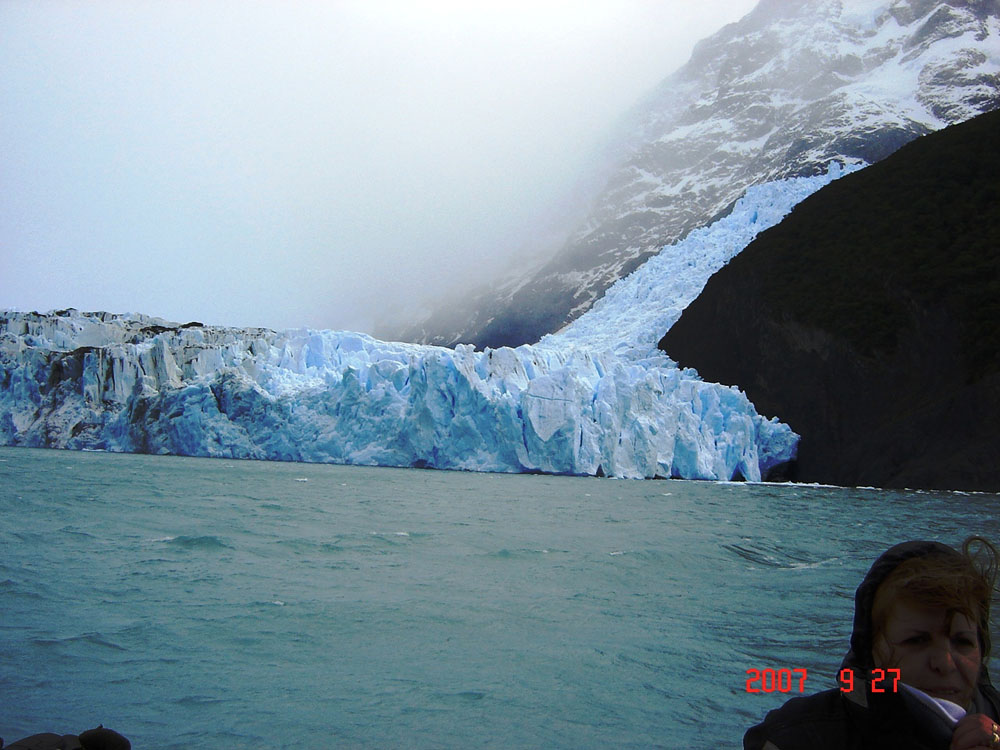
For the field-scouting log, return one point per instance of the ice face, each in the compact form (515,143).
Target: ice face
(595,399)
(346,398)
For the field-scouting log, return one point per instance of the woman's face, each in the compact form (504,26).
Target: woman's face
(934,655)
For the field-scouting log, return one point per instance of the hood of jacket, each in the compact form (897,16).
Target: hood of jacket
(859,657)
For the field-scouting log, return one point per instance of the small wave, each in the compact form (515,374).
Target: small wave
(508,554)
(389,536)
(31,537)
(194,542)
(96,639)
(198,700)
(661,692)
(10,587)
(773,557)
(266,604)
(753,556)
(469,696)
(71,531)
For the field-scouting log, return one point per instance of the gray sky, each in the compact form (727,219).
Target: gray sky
(282,163)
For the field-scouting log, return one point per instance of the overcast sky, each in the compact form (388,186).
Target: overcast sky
(318,164)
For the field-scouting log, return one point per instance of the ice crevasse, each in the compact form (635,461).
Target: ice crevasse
(596,398)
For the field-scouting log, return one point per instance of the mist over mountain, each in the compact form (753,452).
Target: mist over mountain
(788,89)
(869,319)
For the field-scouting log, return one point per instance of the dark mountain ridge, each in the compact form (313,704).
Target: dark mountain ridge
(869,319)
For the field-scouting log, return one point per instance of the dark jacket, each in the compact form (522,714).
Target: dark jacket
(93,739)
(47,741)
(861,719)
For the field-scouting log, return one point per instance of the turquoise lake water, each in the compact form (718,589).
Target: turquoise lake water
(199,603)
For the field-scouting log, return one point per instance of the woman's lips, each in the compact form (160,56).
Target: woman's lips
(943,692)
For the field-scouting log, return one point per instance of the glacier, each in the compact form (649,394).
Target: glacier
(596,398)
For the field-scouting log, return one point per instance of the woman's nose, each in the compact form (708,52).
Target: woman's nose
(941,657)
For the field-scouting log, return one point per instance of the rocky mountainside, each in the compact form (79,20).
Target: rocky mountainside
(869,319)
(793,86)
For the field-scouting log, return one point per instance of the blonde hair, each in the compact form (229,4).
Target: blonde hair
(959,583)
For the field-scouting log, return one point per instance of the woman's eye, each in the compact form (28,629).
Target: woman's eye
(915,640)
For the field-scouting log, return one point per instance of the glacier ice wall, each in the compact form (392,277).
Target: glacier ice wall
(596,398)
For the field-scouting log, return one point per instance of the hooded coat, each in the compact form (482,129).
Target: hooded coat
(863,719)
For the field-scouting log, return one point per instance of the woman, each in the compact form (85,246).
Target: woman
(921,619)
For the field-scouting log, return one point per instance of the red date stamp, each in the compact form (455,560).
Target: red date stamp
(772,680)
(784,680)
(879,676)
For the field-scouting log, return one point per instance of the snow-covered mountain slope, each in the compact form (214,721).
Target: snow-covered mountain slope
(790,88)
(597,398)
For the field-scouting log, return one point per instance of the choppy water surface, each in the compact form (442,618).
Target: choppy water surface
(194,603)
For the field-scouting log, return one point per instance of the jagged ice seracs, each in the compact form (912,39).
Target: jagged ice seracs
(596,398)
